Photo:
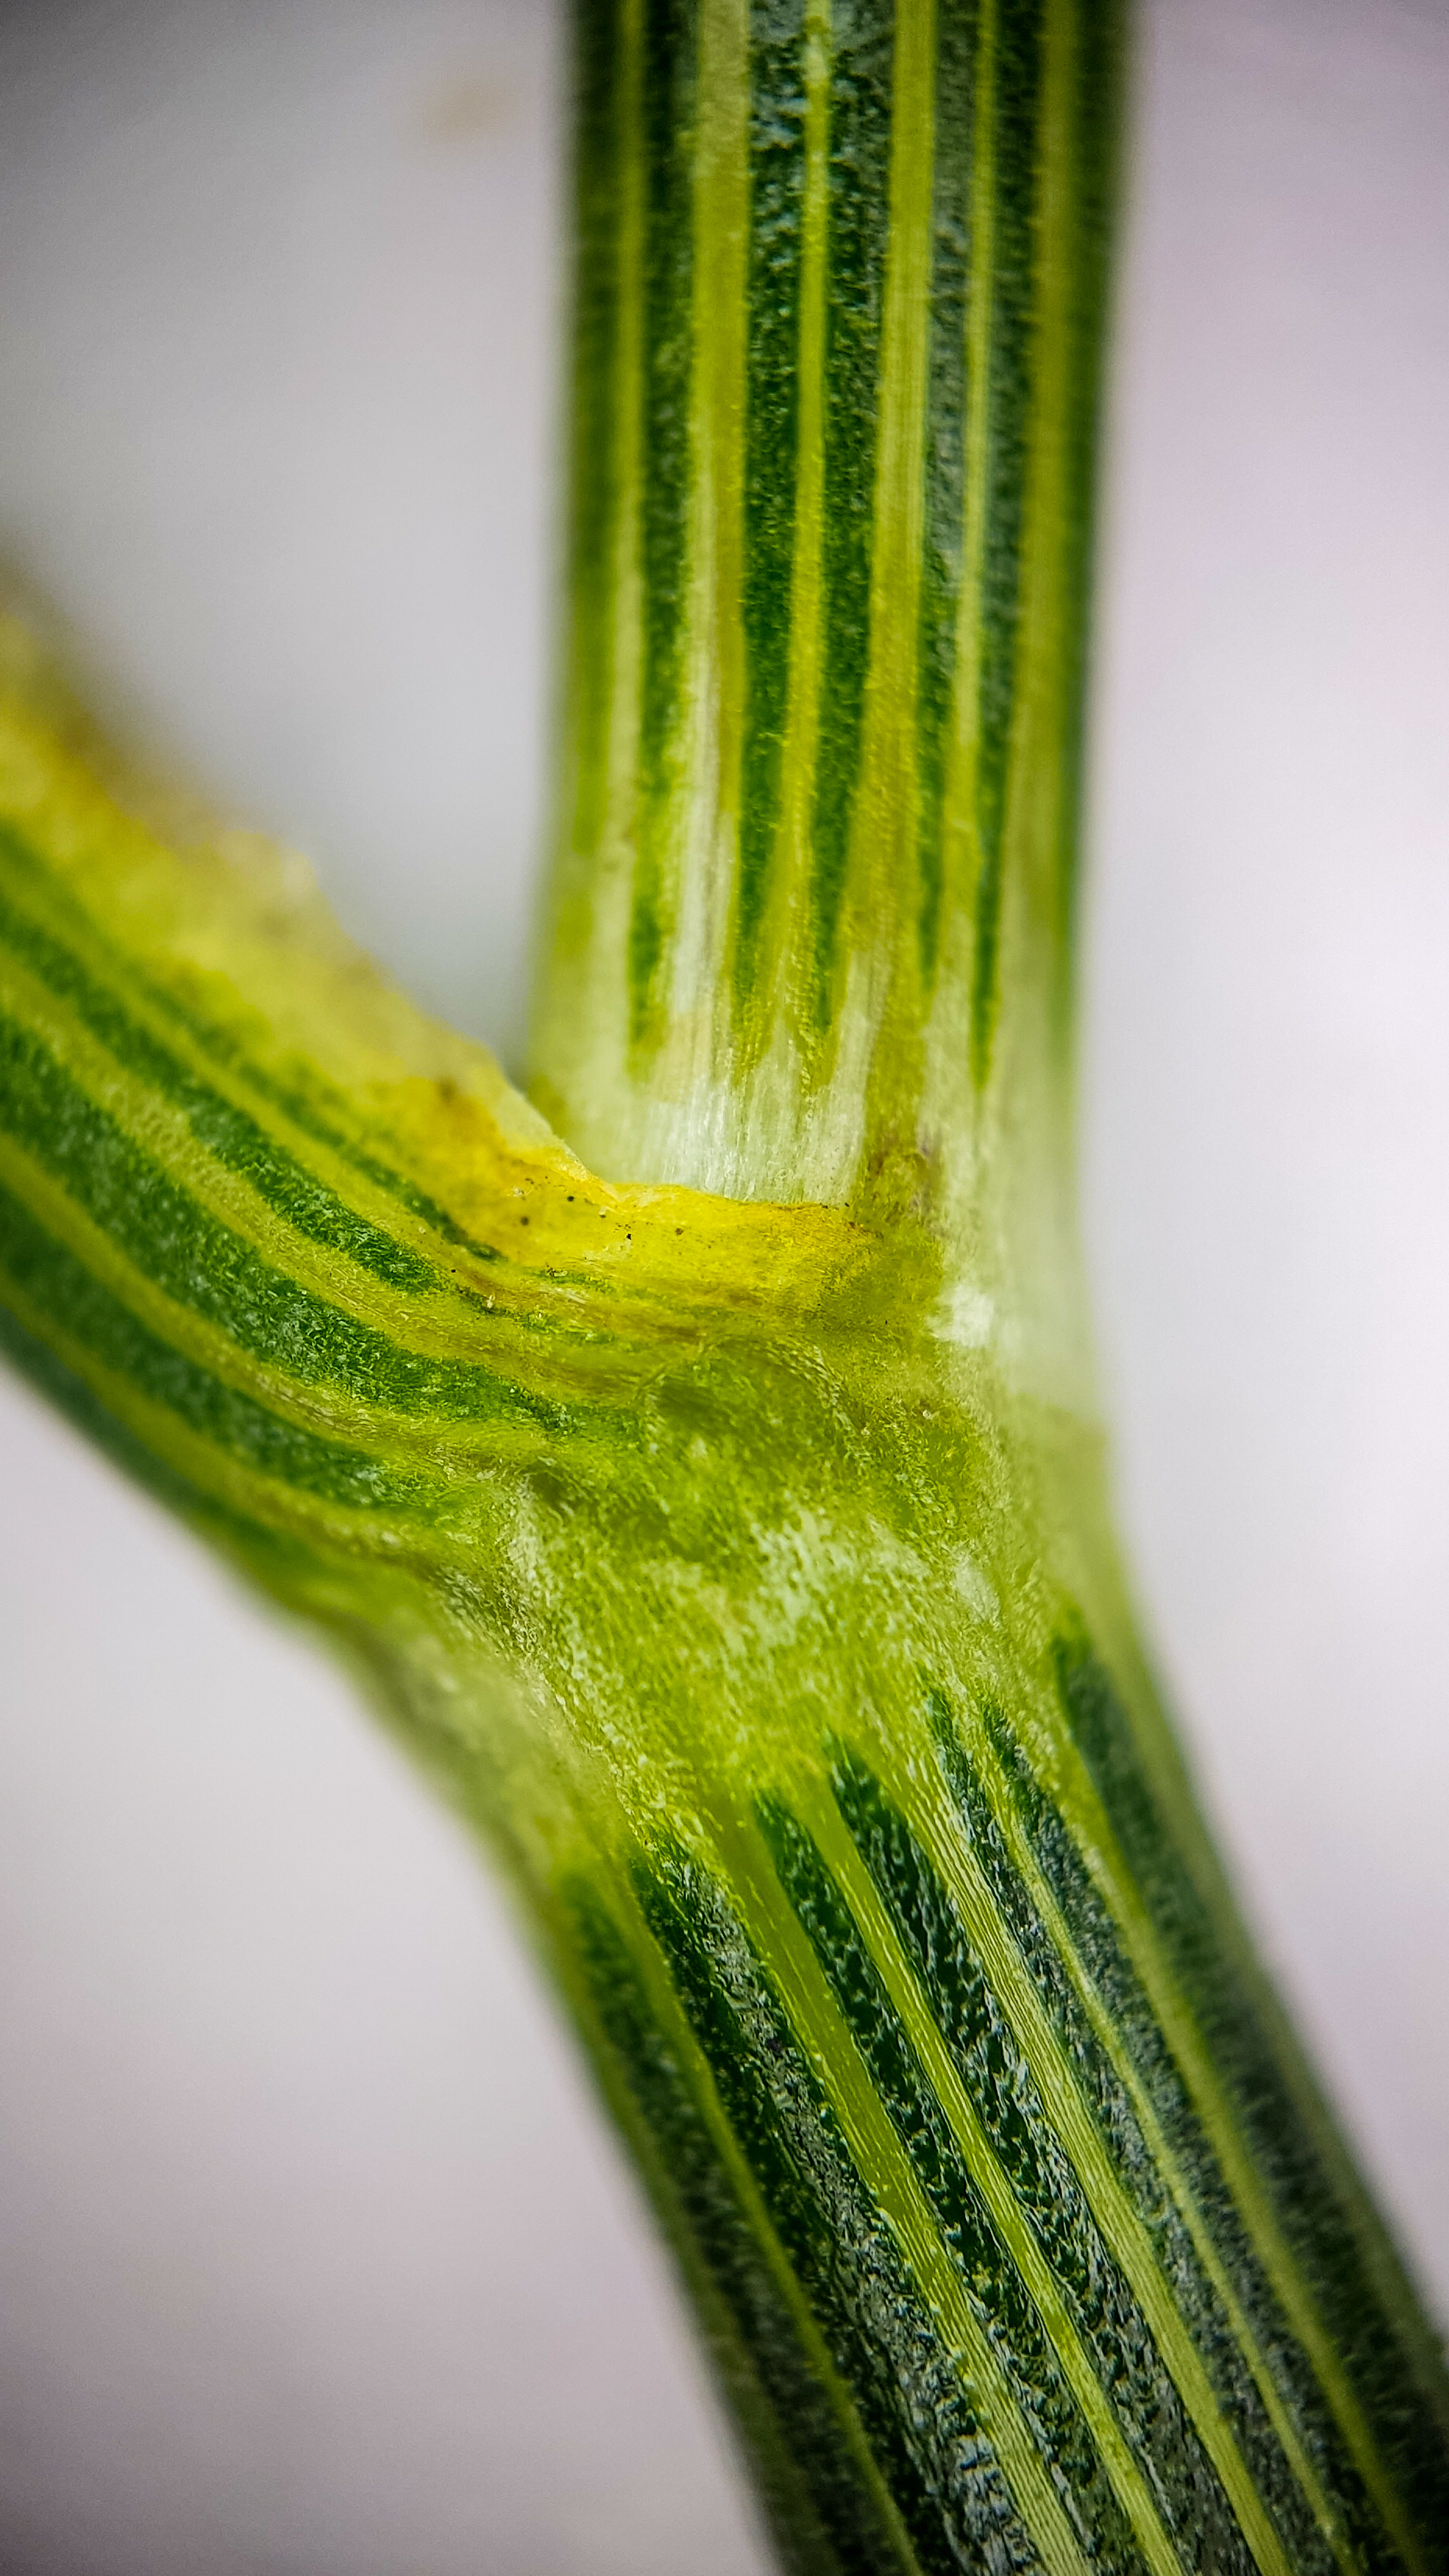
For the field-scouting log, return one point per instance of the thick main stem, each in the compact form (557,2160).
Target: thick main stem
(839,308)
(838,305)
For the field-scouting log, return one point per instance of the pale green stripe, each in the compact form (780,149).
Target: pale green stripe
(1031,822)
(436,1326)
(706,839)
(843,1859)
(392,1536)
(937,1824)
(453,1447)
(381,1541)
(960,853)
(884,829)
(672,2016)
(1122,2230)
(877,2151)
(612,863)
(59,1017)
(790,877)
(1087,1820)
(1115,2214)
(883,833)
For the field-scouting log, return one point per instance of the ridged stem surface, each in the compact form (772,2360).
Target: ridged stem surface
(727,1534)
(837,302)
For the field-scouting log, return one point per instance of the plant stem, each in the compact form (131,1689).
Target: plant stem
(739,1562)
(838,311)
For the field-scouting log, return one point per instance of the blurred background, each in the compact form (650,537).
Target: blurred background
(315,2259)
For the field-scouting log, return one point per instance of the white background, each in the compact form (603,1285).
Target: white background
(314,2260)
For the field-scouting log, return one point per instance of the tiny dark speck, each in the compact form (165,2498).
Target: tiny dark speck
(523,1220)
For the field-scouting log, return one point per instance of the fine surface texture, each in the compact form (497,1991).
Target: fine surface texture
(1123,2487)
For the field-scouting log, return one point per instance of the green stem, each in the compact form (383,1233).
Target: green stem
(838,303)
(739,1564)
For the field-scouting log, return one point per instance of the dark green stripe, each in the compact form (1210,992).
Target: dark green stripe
(668,159)
(772,438)
(21,858)
(1298,2176)
(862,36)
(216,1274)
(1109,2108)
(698,2183)
(278,1559)
(883,2340)
(1100,1951)
(1114,2332)
(948,393)
(303,1115)
(1016,147)
(302,1112)
(57,1284)
(994,2286)
(1097,90)
(226,1131)
(593,473)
